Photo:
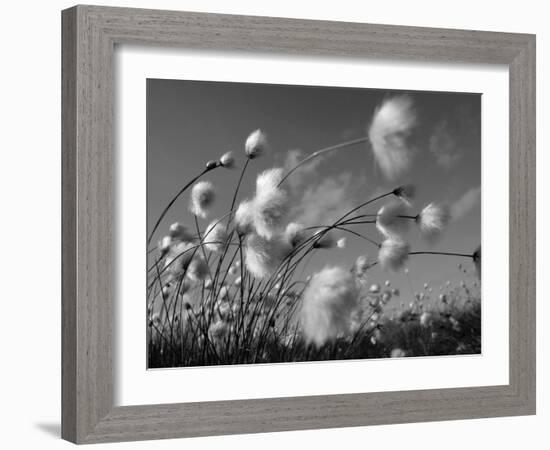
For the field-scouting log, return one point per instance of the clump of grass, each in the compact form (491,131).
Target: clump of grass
(230,290)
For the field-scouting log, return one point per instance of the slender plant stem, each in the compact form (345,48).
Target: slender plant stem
(323,151)
(464,255)
(171,202)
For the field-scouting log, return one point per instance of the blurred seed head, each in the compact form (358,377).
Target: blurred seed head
(256,144)
(227,160)
(202,198)
(433,220)
(393,254)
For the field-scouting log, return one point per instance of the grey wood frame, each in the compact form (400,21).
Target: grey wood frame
(89,37)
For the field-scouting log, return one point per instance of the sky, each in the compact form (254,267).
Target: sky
(191,122)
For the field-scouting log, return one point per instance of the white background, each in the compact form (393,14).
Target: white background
(134,385)
(30,190)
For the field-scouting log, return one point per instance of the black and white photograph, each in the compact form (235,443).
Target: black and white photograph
(302,223)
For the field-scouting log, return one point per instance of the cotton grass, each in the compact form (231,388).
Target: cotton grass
(179,257)
(227,160)
(328,303)
(393,254)
(270,207)
(244,217)
(390,221)
(263,256)
(256,144)
(202,198)
(433,220)
(179,232)
(389,134)
(215,236)
(294,233)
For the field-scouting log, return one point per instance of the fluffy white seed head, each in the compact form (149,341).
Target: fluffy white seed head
(202,198)
(389,221)
(341,243)
(374,288)
(426,319)
(294,233)
(405,193)
(433,220)
(328,304)
(256,144)
(398,353)
(386,296)
(180,232)
(198,269)
(393,254)
(215,236)
(361,265)
(263,256)
(164,245)
(218,330)
(244,217)
(227,160)
(270,206)
(389,134)
(269,180)
(179,257)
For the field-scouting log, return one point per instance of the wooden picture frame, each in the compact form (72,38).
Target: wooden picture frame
(90,34)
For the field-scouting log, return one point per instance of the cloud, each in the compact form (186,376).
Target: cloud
(444,146)
(466,203)
(324,202)
(389,135)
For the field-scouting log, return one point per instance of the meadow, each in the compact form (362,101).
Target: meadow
(231,290)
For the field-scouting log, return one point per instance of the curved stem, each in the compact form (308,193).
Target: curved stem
(238,185)
(372,200)
(174,198)
(442,253)
(323,151)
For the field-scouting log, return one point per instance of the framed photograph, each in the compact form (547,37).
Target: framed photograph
(276,224)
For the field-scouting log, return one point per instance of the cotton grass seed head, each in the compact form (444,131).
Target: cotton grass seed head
(180,232)
(393,254)
(202,198)
(426,319)
(227,160)
(294,233)
(328,304)
(389,220)
(179,257)
(398,353)
(244,217)
(256,144)
(212,164)
(215,236)
(164,245)
(269,180)
(433,220)
(198,269)
(389,134)
(361,265)
(341,243)
(405,193)
(270,204)
(263,256)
